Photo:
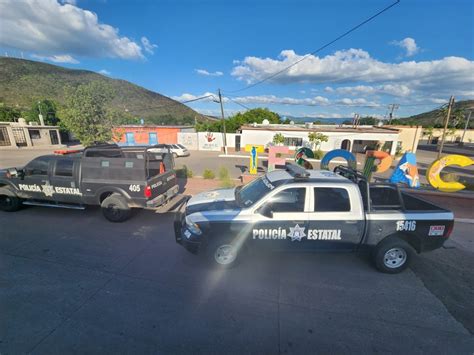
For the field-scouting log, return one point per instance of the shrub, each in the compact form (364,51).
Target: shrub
(208,174)
(318,154)
(223,173)
(227,183)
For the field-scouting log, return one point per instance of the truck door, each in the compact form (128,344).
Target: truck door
(35,184)
(281,220)
(336,220)
(65,182)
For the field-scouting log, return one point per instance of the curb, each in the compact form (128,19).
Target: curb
(464,220)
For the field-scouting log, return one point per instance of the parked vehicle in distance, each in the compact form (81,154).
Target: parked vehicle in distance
(179,150)
(116,178)
(310,210)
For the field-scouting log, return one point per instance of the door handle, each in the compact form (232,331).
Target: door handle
(351,222)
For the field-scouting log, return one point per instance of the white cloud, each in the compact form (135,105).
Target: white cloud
(72,2)
(408,44)
(357,102)
(149,47)
(388,89)
(443,76)
(188,97)
(65,58)
(49,28)
(207,73)
(272,99)
(104,72)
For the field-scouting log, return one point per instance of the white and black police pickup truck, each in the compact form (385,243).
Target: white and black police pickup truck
(116,178)
(298,209)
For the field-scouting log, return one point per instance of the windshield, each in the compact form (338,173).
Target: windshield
(253,191)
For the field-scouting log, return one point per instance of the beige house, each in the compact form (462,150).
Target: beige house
(452,136)
(19,134)
(408,137)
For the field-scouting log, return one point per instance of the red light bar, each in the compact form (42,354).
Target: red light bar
(65,152)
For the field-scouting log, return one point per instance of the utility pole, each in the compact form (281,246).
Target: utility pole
(223,122)
(446,122)
(392,107)
(465,128)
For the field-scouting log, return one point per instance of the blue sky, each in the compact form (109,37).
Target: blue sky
(416,54)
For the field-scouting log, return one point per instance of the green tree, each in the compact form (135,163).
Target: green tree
(278,139)
(233,123)
(47,108)
(368,120)
(316,138)
(86,114)
(8,114)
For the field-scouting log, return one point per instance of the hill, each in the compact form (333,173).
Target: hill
(23,82)
(436,117)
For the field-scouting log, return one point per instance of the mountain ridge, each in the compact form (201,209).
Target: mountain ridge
(22,82)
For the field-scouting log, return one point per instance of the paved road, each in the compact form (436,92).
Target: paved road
(71,282)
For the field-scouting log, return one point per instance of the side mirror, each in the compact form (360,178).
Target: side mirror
(13,173)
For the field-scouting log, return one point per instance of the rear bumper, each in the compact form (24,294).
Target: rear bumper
(184,154)
(161,199)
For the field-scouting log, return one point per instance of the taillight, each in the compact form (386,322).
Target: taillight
(449,230)
(147,191)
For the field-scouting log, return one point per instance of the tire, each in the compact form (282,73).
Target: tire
(9,201)
(115,208)
(223,253)
(393,255)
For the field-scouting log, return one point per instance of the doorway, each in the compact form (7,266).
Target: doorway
(130,138)
(152,138)
(346,145)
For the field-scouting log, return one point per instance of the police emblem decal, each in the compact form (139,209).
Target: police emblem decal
(296,233)
(48,190)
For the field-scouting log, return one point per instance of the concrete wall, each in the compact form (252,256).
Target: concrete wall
(211,141)
(438,132)
(409,137)
(21,135)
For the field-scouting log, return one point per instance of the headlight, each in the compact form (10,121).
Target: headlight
(193,227)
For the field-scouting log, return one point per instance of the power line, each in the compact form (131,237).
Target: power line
(175,103)
(319,49)
(238,103)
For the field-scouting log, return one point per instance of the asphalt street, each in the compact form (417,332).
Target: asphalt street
(72,282)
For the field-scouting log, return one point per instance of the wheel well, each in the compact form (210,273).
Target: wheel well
(104,195)
(413,241)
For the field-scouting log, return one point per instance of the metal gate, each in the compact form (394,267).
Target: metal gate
(4,138)
(20,138)
(53,134)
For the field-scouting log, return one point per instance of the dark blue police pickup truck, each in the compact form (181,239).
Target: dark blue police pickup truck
(116,178)
(298,209)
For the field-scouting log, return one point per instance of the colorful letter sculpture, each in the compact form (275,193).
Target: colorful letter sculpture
(254,150)
(273,160)
(384,159)
(338,153)
(406,171)
(301,154)
(433,172)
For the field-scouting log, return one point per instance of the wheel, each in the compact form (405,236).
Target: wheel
(9,201)
(393,255)
(115,208)
(223,253)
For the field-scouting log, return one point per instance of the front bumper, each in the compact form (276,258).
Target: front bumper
(182,234)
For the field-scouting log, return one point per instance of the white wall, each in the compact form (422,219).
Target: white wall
(334,138)
(212,141)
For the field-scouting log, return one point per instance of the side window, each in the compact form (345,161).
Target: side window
(37,167)
(331,199)
(288,200)
(64,167)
